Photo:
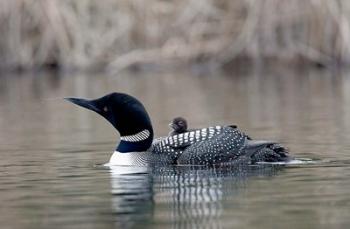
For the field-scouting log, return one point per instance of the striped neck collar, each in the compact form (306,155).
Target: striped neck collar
(138,142)
(140,136)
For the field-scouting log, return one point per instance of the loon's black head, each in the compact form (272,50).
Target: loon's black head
(127,115)
(179,125)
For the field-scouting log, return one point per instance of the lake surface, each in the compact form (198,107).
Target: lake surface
(52,152)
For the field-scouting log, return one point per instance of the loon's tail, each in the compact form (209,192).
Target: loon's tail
(263,151)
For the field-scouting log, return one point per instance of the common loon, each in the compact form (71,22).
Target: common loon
(216,145)
(179,126)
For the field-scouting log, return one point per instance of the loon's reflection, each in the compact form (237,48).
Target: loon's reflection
(183,197)
(132,192)
(193,197)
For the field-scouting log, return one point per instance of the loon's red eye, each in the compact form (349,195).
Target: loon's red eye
(105,109)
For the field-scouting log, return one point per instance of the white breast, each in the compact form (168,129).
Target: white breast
(131,158)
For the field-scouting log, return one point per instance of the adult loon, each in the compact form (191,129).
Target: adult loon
(179,126)
(216,145)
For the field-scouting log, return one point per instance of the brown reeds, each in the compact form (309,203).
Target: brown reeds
(115,34)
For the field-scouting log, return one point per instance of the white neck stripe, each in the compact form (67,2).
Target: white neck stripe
(143,135)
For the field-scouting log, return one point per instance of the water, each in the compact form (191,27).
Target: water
(52,152)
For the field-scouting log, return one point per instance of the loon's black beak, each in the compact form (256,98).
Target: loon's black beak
(88,104)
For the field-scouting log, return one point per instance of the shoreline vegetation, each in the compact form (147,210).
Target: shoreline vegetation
(115,35)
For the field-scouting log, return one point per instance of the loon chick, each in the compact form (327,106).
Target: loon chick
(216,145)
(179,126)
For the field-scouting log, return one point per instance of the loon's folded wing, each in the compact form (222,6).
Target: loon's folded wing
(229,146)
(221,148)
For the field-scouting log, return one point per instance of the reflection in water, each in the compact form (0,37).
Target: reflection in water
(196,199)
(132,201)
(193,196)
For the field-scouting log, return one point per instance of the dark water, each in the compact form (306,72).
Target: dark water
(51,152)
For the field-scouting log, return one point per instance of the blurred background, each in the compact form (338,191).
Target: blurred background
(114,35)
(276,68)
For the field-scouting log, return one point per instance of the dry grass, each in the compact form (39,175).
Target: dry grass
(115,34)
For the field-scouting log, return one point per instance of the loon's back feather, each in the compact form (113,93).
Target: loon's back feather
(183,140)
(215,145)
(167,150)
(222,147)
